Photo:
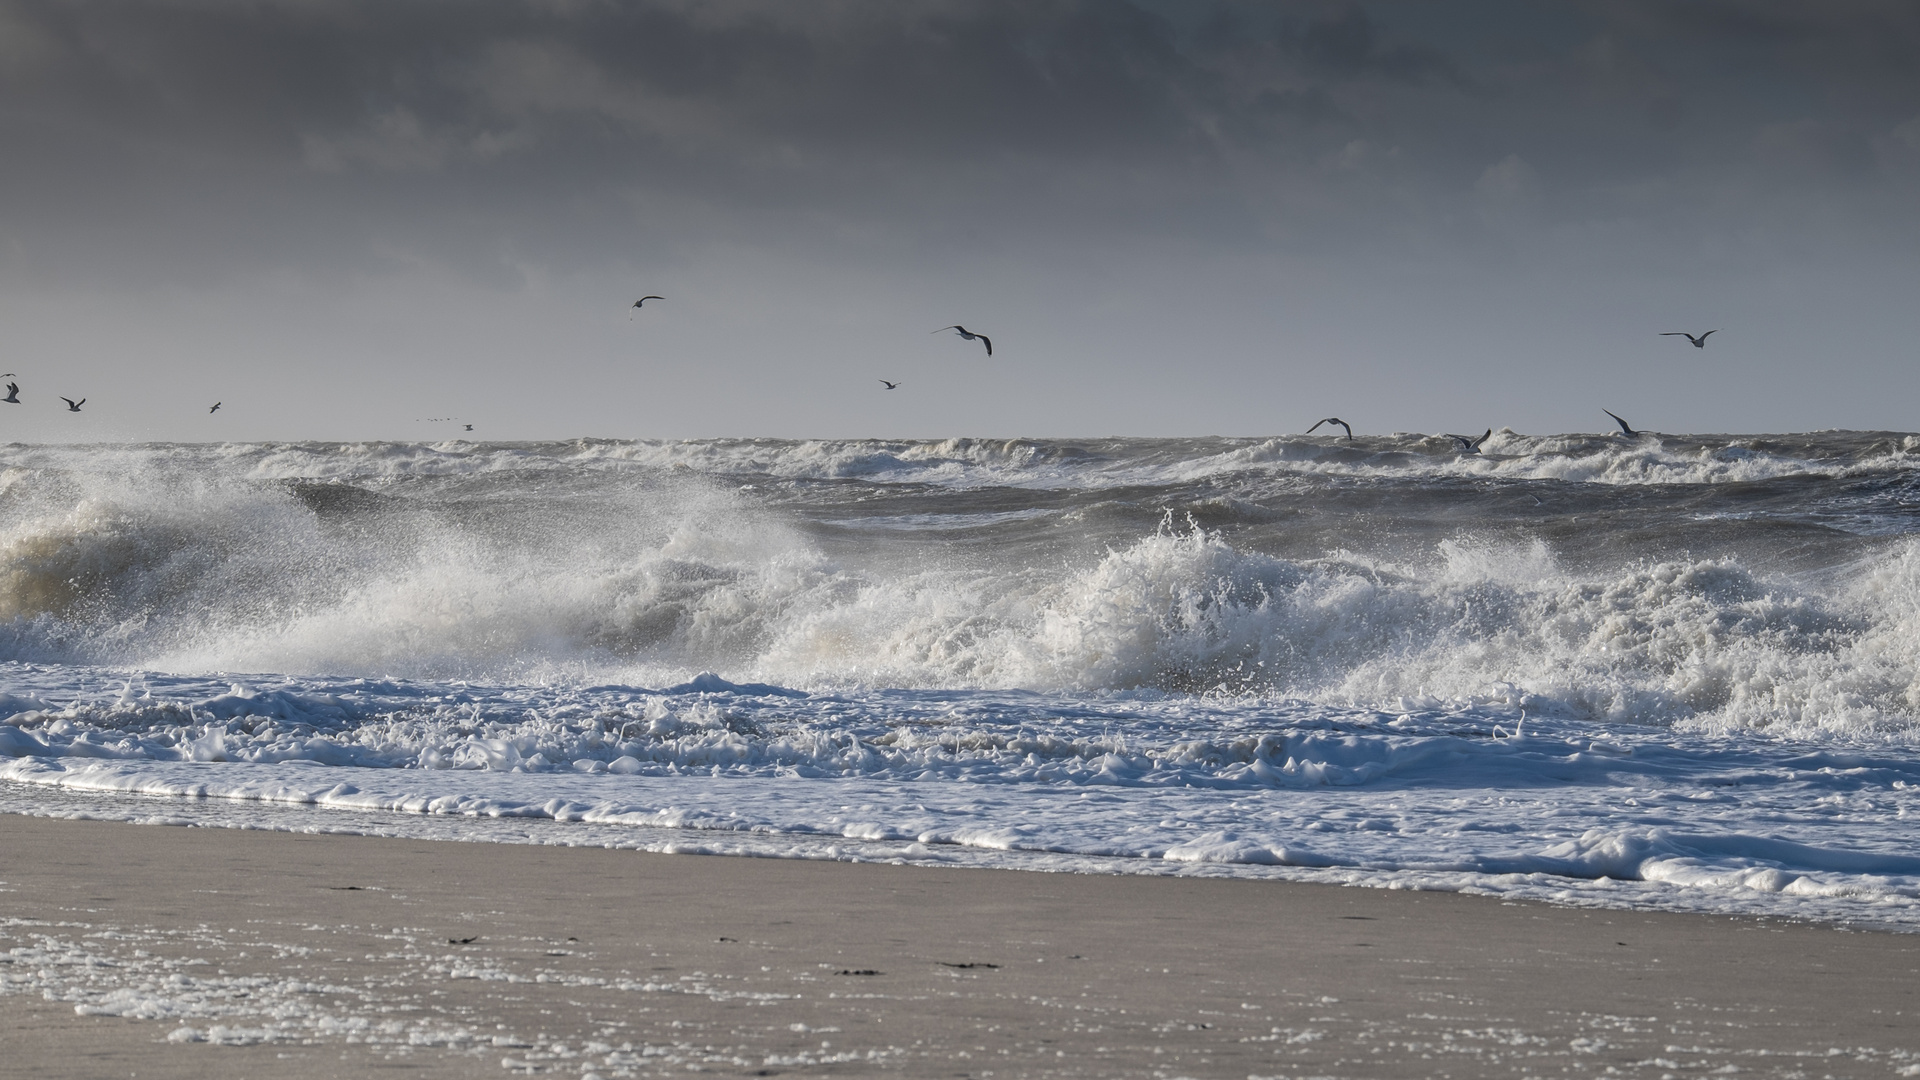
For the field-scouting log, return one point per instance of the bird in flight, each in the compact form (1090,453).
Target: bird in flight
(215,409)
(644,299)
(1331,420)
(469,427)
(1698,342)
(968,335)
(891,385)
(13,394)
(1625,429)
(72,405)
(1471,446)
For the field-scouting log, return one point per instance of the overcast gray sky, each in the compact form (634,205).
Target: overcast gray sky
(342,218)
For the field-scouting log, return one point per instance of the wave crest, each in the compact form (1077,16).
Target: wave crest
(173,562)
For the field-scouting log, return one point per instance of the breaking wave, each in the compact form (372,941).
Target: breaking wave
(1665,671)
(623,561)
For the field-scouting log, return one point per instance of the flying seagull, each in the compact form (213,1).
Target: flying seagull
(1471,446)
(469,427)
(1331,420)
(1698,342)
(215,409)
(891,385)
(644,299)
(13,394)
(968,335)
(1625,428)
(72,405)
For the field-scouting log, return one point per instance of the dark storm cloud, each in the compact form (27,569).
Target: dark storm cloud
(213,139)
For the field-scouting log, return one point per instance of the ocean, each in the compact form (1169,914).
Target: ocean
(1674,672)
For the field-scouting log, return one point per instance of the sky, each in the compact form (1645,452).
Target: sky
(349,219)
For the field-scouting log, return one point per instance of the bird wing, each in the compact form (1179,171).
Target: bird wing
(987,341)
(1483,438)
(1316,425)
(1349,430)
(1708,334)
(1668,333)
(1617,420)
(944,329)
(1465,443)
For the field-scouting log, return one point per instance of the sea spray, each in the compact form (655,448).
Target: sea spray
(1280,655)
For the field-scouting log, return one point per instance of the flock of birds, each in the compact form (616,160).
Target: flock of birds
(1468,444)
(13,396)
(1471,445)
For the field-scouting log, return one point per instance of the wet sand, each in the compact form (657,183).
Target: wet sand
(160,952)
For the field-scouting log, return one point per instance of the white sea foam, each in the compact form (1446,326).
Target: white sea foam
(964,464)
(248,580)
(1480,799)
(1284,653)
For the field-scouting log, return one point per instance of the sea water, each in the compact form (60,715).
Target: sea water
(1674,672)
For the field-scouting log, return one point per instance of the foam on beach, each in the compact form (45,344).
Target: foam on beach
(1461,799)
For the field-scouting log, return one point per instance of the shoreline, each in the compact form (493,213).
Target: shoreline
(329,954)
(226,811)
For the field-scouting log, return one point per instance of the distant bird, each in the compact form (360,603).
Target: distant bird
(1625,429)
(7,374)
(1331,420)
(968,335)
(215,409)
(644,299)
(13,394)
(891,385)
(1698,342)
(1471,446)
(72,405)
(469,427)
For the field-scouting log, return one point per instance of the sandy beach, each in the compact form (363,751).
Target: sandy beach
(157,952)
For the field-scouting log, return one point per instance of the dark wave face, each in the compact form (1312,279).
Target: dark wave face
(1763,581)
